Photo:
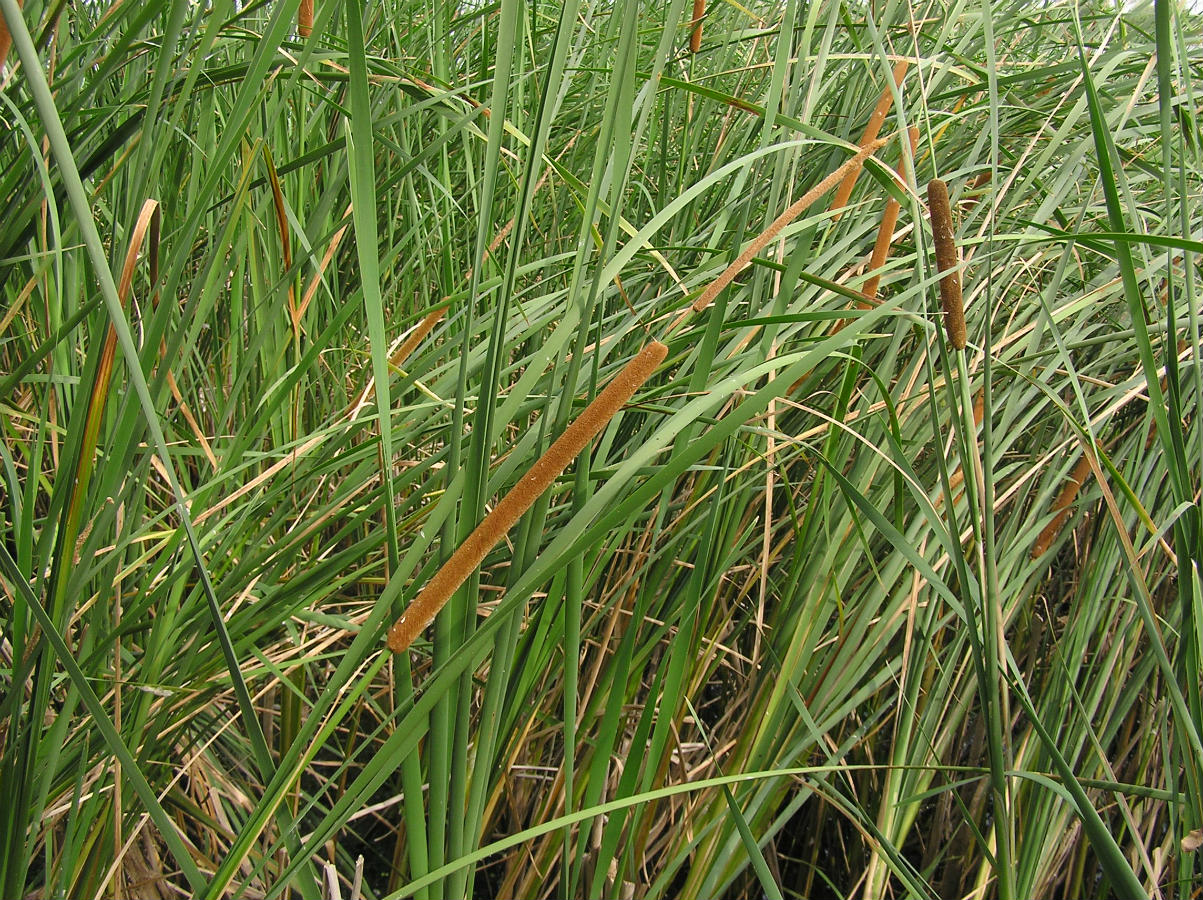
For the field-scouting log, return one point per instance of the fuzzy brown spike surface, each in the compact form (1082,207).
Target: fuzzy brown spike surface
(6,40)
(695,34)
(471,553)
(946,261)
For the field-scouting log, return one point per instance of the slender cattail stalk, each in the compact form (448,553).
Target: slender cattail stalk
(884,103)
(958,477)
(1061,506)
(305,18)
(946,262)
(521,497)
(695,36)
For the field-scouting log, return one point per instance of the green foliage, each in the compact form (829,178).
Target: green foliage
(829,609)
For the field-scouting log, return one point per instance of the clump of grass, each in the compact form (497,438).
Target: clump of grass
(762,641)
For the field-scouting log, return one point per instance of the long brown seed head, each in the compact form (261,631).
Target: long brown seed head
(505,514)
(1061,506)
(6,40)
(796,209)
(885,231)
(946,262)
(695,36)
(411,343)
(305,18)
(884,103)
(881,248)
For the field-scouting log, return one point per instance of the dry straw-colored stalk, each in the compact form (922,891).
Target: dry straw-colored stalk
(305,18)
(471,553)
(1061,506)
(946,263)
(695,36)
(884,103)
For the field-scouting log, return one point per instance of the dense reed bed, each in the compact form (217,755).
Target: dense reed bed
(816,598)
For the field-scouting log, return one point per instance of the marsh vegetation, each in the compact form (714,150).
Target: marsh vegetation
(291,295)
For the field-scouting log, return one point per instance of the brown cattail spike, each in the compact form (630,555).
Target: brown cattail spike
(505,514)
(305,18)
(872,129)
(695,36)
(6,40)
(946,262)
(796,209)
(1061,506)
(419,335)
(881,248)
(885,231)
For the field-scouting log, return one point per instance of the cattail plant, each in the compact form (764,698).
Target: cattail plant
(408,346)
(1062,506)
(763,239)
(695,36)
(521,497)
(881,248)
(305,18)
(946,263)
(885,231)
(6,40)
(884,103)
